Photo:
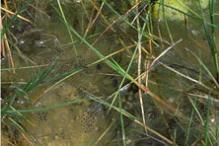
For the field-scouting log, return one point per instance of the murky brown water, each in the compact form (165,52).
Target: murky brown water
(88,123)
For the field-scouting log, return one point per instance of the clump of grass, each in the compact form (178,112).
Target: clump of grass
(178,119)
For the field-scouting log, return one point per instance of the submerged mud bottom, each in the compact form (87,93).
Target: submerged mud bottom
(87,123)
(76,125)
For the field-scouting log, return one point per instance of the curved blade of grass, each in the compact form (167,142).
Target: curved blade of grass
(122,122)
(206,125)
(123,79)
(204,67)
(128,115)
(67,26)
(32,84)
(211,35)
(115,66)
(44,109)
(196,110)
(188,129)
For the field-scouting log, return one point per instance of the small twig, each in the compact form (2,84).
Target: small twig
(19,16)
(27,139)
(165,51)
(110,26)
(205,96)
(139,66)
(185,76)
(9,83)
(9,54)
(104,133)
(25,67)
(94,20)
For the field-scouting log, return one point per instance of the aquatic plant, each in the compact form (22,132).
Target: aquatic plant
(141,66)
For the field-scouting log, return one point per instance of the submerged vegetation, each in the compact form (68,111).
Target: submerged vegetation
(110,72)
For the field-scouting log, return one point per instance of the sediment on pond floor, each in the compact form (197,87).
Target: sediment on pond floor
(134,73)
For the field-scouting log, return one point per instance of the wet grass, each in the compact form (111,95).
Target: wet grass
(210,35)
(178,119)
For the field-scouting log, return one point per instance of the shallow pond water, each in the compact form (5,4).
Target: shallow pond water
(88,123)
